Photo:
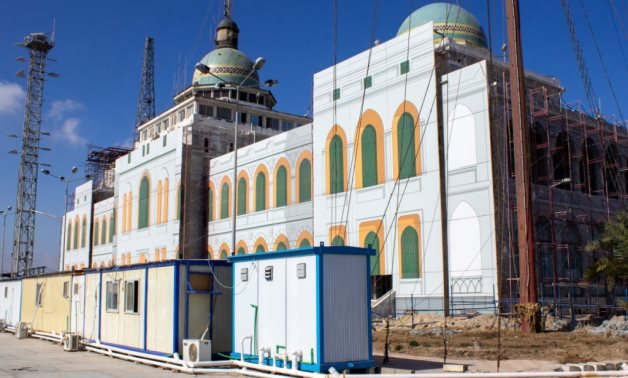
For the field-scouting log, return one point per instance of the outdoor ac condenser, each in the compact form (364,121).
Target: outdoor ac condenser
(197,350)
(71,342)
(22,330)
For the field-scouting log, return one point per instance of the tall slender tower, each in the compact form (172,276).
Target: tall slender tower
(146,99)
(38,45)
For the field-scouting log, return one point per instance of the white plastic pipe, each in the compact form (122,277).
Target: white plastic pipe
(242,346)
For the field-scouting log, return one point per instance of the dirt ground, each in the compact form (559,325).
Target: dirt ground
(477,338)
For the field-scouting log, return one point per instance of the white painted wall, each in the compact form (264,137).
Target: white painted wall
(82,209)
(10,300)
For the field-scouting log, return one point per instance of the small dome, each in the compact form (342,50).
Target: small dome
(228,64)
(449,20)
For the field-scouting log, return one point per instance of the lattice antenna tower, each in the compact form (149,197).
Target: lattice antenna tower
(146,99)
(38,45)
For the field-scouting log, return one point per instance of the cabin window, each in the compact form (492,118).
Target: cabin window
(131,301)
(6,291)
(66,289)
(38,293)
(113,288)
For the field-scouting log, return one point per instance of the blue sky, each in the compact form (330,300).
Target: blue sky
(99,55)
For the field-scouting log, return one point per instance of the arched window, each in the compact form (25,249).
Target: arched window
(260,192)
(242,196)
(281,246)
(336,165)
(103,231)
(210,207)
(461,146)
(539,154)
(96,232)
(410,261)
(241,251)
(465,246)
(369,156)
(281,187)
(76,233)
(159,202)
(560,162)
(590,168)
(260,249)
(338,241)
(112,226)
(372,240)
(305,180)
(68,237)
(223,254)
(165,207)
(224,201)
(142,215)
(129,210)
(84,232)
(305,244)
(406,146)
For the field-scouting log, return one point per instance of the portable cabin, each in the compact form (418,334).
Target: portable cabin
(309,306)
(10,301)
(46,302)
(153,307)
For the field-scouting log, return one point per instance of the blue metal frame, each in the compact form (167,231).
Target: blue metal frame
(99,303)
(145,304)
(84,297)
(320,315)
(175,317)
(322,250)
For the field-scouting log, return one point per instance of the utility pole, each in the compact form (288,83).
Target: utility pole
(146,99)
(38,45)
(527,274)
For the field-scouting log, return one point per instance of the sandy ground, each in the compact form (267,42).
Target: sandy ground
(477,339)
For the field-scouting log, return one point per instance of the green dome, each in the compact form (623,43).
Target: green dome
(449,20)
(228,64)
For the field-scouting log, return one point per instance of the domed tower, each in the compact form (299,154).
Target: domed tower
(228,65)
(450,21)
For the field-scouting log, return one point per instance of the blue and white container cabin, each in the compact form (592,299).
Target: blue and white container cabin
(306,308)
(153,307)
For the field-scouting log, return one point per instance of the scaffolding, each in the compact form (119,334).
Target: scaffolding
(100,165)
(567,143)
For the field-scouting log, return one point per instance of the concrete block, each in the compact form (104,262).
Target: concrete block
(588,367)
(572,368)
(610,366)
(600,367)
(454,368)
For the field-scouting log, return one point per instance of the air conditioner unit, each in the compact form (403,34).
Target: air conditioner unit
(197,350)
(23,330)
(71,342)
(3,325)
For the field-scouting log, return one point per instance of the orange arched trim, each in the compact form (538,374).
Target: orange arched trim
(245,175)
(260,241)
(242,244)
(225,247)
(122,214)
(213,200)
(159,202)
(370,117)
(282,238)
(407,107)
(260,168)
(304,155)
(166,195)
(210,252)
(378,228)
(413,221)
(142,259)
(305,235)
(129,209)
(337,231)
(282,162)
(225,180)
(336,130)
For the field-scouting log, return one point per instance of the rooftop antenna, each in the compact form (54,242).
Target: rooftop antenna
(227,8)
(146,99)
(54,29)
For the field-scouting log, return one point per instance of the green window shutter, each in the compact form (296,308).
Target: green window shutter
(260,192)
(112,228)
(210,210)
(143,208)
(68,240)
(281,246)
(260,249)
(281,187)
(372,240)
(84,233)
(242,196)
(336,169)
(305,181)
(103,232)
(96,231)
(404,67)
(406,152)
(409,253)
(369,157)
(224,201)
(241,251)
(76,236)
(223,254)
(305,244)
(336,94)
(338,241)
(368,82)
